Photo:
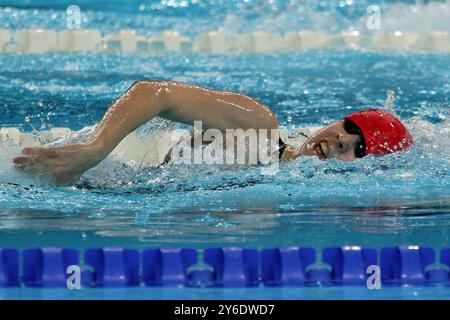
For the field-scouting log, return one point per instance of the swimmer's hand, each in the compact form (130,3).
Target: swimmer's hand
(62,165)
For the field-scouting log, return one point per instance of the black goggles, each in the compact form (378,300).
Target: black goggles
(351,128)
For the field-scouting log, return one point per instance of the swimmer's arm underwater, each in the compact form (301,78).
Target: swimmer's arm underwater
(144,100)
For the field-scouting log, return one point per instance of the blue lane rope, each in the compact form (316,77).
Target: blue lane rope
(224,267)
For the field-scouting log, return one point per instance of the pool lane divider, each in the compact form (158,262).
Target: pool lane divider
(224,267)
(40,40)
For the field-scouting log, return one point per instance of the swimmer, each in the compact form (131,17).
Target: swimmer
(357,135)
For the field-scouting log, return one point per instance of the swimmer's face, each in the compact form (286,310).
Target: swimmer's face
(334,141)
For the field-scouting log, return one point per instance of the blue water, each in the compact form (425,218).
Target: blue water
(402,198)
(306,293)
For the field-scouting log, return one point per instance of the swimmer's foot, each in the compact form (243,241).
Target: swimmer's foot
(63,164)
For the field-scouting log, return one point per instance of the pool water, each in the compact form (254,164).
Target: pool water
(308,293)
(397,199)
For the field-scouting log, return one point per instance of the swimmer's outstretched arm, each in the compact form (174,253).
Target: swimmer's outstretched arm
(144,100)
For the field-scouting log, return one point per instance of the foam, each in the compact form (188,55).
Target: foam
(147,147)
(130,150)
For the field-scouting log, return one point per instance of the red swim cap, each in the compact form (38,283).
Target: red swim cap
(383,133)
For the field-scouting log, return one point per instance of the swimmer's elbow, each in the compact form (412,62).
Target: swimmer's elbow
(272,119)
(155,93)
(267,119)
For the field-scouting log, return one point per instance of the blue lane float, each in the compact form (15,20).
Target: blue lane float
(9,268)
(167,266)
(46,267)
(405,264)
(441,275)
(349,264)
(224,267)
(286,266)
(233,266)
(113,267)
